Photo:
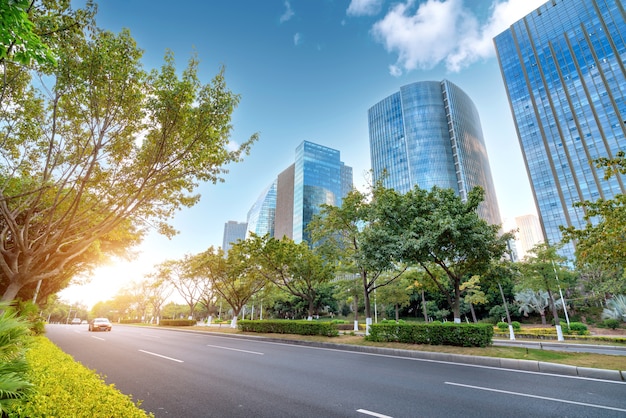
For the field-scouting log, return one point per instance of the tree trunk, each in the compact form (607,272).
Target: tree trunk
(397,312)
(311,308)
(456,308)
(473,313)
(557,322)
(543,317)
(11,292)
(424,311)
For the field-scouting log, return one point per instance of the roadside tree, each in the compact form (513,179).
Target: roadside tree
(102,154)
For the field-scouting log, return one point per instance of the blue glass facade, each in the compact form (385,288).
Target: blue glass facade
(429,134)
(319,178)
(564,70)
(233,231)
(261,215)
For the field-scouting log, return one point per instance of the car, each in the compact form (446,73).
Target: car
(100,324)
(75,321)
(84,322)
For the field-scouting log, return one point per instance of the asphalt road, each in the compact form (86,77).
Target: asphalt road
(184,374)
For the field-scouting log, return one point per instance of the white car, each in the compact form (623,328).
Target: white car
(100,324)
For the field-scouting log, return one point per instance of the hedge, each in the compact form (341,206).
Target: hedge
(302,327)
(463,335)
(178,322)
(65,388)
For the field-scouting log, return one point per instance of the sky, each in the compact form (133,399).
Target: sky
(310,70)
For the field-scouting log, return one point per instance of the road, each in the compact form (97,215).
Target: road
(183,374)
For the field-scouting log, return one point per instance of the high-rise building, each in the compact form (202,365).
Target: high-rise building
(563,66)
(261,215)
(429,134)
(317,177)
(233,231)
(529,234)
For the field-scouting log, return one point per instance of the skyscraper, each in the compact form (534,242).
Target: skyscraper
(529,234)
(285,208)
(261,215)
(563,66)
(233,231)
(429,134)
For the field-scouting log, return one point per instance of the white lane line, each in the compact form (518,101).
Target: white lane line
(98,338)
(235,349)
(159,355)
(536,397)
(150,335)
(374,414)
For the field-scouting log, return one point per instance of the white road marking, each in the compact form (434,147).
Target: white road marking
(374,414)
(98,338)
(536,397)
(159,355)
(235,349)
(150,335)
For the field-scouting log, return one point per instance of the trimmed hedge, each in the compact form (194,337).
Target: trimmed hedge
(178,322)
(463,335)
(299,327)
(65,388)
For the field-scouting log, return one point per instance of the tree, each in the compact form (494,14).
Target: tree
(543,270)
(294,268)
(112,152)
(602,241)
(530,301)
(182,276)
(341,234)
(437,229)
(397,294)
(18,41)
(234,278)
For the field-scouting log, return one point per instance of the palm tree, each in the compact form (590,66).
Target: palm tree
(530,301)
(615,308)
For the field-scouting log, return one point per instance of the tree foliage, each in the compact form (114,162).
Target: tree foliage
(436,229)
(107,152)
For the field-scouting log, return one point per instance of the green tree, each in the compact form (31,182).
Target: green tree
(112,152)
(184,278)
(294,268)
(234,278)
(529,301)
(18,40)
(602,241)
(397,294)
(438,230)
(543,270)
(342,234)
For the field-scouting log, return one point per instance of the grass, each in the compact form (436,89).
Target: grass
(599,361)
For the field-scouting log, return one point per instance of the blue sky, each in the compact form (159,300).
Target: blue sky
(309,70)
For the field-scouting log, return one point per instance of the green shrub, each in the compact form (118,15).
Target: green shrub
(611,323)
(502,326)
(578,327)
(464,335)
(14,336)
(290,327)
(65,388)
(516,325)
(178,322)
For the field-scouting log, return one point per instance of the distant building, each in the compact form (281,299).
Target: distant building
(529,234)
(429,134)
(317,177)
(262,214)
(563,66)
(233,231)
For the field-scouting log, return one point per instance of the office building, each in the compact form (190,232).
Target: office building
(563,66)
(528,235)
(317,176)
(429,134)
(233,231)
(261,215)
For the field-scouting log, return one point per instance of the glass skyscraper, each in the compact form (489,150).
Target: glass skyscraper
(429,134)
(233,231)
(286,207)
(320,177)
(261,215)
(564,70)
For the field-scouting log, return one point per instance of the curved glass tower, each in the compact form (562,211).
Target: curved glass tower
(429,134)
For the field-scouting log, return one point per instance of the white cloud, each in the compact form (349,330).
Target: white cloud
(297,39)
(288,13)
(364,7)
(444,31)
